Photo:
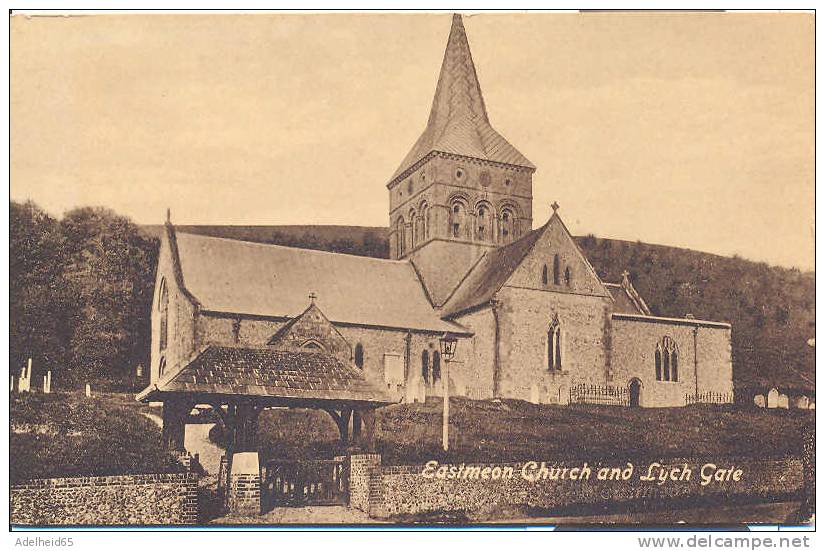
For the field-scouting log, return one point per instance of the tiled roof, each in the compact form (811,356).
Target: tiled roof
(458,122)
(491,272)
(622,302)
(274,373)
(239,277)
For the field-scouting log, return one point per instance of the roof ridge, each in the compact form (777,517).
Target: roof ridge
(277,246)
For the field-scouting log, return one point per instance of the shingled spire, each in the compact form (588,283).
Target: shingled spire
(458,122)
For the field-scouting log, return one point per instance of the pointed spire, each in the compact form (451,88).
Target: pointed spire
(458,93)
(458,122)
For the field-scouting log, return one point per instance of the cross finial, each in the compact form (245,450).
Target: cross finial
(168,215)
(626,278)
(312,297)
(555,207)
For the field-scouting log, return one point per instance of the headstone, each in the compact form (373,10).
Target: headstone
(783,401)
(49,381)
(773,398)
(139,370)
(812,406)
(759,400)
(45,385)
(801,402)
(88,390)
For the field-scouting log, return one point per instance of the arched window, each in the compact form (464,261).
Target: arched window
(312,345)
(667,360)
(458,211)
(436,366)
(544,276)
(425,366)
(507,225)
(424,215)
(359,356)
(413,228)
(399,238)
(163,308)
(658,362)
(567,276)
(484,222)
(556,270)
(554,347)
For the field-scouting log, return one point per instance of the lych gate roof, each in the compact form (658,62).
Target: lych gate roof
(458,122)
(276,374)
(239,277)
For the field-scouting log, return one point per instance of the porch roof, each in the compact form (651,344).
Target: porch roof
(270,377)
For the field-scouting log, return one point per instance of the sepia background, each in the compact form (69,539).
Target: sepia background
(692,130)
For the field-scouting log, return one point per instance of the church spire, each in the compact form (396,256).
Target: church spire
(458,94)
(458,122)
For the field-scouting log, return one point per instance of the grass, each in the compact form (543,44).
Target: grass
(514,430)
(66,434)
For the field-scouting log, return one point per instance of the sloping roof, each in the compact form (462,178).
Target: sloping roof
(240,277)
(491,272)
(458,122)
(622,301)
(288,375)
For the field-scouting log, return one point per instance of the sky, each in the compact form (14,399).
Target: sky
(689,130)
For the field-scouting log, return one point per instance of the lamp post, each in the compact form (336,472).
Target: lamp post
(448,344)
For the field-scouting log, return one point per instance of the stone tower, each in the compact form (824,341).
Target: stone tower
(462,189)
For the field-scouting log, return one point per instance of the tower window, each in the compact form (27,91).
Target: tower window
(484,178)
(544,279)
(567,276)
(459,173)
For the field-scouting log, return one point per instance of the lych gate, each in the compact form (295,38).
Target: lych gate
(239,383)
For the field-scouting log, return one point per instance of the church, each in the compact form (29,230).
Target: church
(532,319)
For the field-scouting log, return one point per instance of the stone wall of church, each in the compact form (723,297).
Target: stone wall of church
(525,316)
(633,356)
(180,319)
(475,357)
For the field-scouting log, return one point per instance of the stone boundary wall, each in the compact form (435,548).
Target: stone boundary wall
(141,499)
(403,492)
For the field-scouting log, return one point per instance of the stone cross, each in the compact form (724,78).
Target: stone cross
(555,207)
(312,297)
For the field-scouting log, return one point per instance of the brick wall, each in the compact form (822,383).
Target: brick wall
(363,480)
(146,499)
(406,493)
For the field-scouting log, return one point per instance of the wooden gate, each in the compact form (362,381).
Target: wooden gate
(309,482)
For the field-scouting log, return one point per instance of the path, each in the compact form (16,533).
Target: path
(196,441)
(329,514)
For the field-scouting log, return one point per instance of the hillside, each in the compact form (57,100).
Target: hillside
(771,309)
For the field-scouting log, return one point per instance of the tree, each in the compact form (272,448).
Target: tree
(39,304)
(109,269)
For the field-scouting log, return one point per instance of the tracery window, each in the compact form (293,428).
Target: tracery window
(666,359)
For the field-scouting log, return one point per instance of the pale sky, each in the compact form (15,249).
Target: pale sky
(691,130)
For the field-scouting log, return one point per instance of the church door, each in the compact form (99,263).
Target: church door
(635,392)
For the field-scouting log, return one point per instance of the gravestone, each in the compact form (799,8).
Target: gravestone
(783,401)
(773,398)
(759,400)
(811,406)
(802,402)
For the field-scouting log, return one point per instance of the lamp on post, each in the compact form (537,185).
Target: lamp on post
(447,344)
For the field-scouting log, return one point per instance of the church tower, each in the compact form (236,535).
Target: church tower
(462,189)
